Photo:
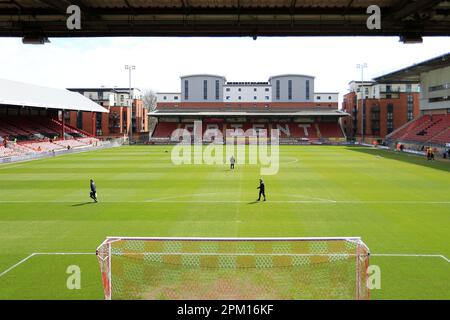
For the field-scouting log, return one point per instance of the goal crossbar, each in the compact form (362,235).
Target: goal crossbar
(146,267)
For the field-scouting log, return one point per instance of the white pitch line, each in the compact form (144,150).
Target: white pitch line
(42,253)
(16,265)
(63,253)
(235,201)
(168,200)
(242,201)
(396,255)
(410,255)
(181,196)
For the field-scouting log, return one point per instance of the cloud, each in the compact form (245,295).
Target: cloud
(93,62)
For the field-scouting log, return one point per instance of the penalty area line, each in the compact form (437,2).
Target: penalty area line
(16,265)
(42,254)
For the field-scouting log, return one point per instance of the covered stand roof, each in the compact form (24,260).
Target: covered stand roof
(47,18)
(23,94)
(259,113)
(413,72)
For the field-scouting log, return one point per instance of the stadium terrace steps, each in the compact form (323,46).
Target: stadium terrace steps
(38,134)
(89,140)
(42,146)
(36,147)
(426,129)
(164,129)
(72,130)
(8,152)
(9,130)
(30,127)
(395,135)
(287,130)
(71,143)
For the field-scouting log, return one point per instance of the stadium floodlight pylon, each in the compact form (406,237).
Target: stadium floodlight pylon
(234,268)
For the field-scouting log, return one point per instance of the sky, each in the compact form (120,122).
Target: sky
(96,62)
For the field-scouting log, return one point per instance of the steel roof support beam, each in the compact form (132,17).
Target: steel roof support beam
(403,8)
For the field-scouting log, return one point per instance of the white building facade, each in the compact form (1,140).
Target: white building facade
(289,88)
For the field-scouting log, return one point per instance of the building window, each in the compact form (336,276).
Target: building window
(290,89)
(227,89)
(277,90)
(227,97)
(165,98)
(254,98)
(267,89)
(267,97)
(217,90)
(98,123)
(239,98)
(408,88)
(410,106)
(80,120)
(254,89)
(329,97)
(239,89)
(439,87)
(439,99)
(390,118)
(318,97)
(186,89)
(375,120)
(205,89)
(307,90)
(175,98)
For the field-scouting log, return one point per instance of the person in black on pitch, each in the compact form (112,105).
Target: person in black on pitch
(93,191)
(262,190)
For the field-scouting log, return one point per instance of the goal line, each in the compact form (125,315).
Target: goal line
(392,255)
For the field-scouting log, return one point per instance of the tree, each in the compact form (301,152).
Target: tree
(149,99)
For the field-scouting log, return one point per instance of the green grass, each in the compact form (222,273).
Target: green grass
(396,203)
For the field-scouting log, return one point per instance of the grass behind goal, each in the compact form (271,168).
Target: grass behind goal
(234,268)
(398,204)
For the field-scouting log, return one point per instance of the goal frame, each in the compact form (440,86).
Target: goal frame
(107,277)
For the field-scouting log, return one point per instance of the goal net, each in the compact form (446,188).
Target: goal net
(234,268)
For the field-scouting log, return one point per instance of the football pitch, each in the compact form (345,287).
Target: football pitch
(398,204)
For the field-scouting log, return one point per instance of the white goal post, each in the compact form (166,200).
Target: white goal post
(234,268)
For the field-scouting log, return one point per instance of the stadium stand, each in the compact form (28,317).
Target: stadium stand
(42,146)
(286,102)
(425,130)
(312,131)
(31,128)
(8,152)
(38,134)
(30,125)
(70,143)
(164,129)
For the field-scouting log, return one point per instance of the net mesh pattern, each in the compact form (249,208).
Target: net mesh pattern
(234,269)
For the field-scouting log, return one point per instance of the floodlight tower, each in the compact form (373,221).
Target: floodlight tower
(130,68)
(362,66)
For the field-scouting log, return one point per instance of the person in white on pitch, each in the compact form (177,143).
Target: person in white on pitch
(232,162)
